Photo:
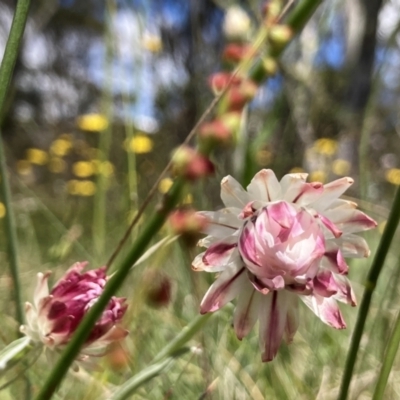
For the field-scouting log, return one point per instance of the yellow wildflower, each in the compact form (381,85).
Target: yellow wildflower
(341,167)
(37,156)
(152,43)
(56,165)
(318,176)
(83,169)
(2,210)
(60,147)
(81,188)
(326,146)
(92,122)
(24,167)
(393,176)
(140,144)
(164,185)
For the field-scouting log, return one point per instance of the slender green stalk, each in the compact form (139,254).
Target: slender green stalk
(6,71)
(131,385)
(390,355)
(12,48)
(370,284)
(153,225)
(99,206)
(184,336)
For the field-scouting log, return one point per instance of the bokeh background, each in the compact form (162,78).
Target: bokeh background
(102,93)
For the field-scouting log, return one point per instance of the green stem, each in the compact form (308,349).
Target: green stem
(153,225)
(184,336)
(370,285)
(296,20)
(12,48)
(99,206)
(390,355)
(6,71)
(130,386)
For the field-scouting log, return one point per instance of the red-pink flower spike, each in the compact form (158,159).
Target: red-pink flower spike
(220,80)
(234,53)
(55,315)
(277,243)
(215,132)
(190,164)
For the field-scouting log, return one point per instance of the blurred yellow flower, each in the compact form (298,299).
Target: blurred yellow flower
(60,147)
(341,167)
(164,185)
(24,167)
(263,157)
(105,168)
(83,169)
(140,144)
(56,165)
(188,199)
(317,176)
(326,146)
(37,156)
(296,170)
(2,210)
(92,122)
(152,43)
(381,227)
(81,188)
(393,176)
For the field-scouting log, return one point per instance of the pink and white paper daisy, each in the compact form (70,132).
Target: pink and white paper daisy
(276,243)
(54,316)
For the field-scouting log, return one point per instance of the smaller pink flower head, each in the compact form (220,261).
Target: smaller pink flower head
(55,316)
(282,244)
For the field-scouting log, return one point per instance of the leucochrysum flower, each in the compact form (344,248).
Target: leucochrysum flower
(277,243)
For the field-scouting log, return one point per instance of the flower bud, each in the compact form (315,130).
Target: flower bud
(190,164)
(236,24)
(157,288)
(214,133)
(270,66)
(238,96)
(280,35)
(234,53)
(220,80)
(54,317)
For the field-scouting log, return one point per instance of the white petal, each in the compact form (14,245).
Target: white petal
(332,191)
(265,186)
(353,246)
(222,223)
(42,289)
(289,180)
(233,194)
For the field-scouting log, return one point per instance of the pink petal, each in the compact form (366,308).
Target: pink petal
(247,245)
(233,194)
(198,265)
(325,284)
(326,309)
(350,221)
(334,259)
(220,253)
(332,191)
(227,286)
(330,226)
(246,312)
(273,317)
(264,186)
